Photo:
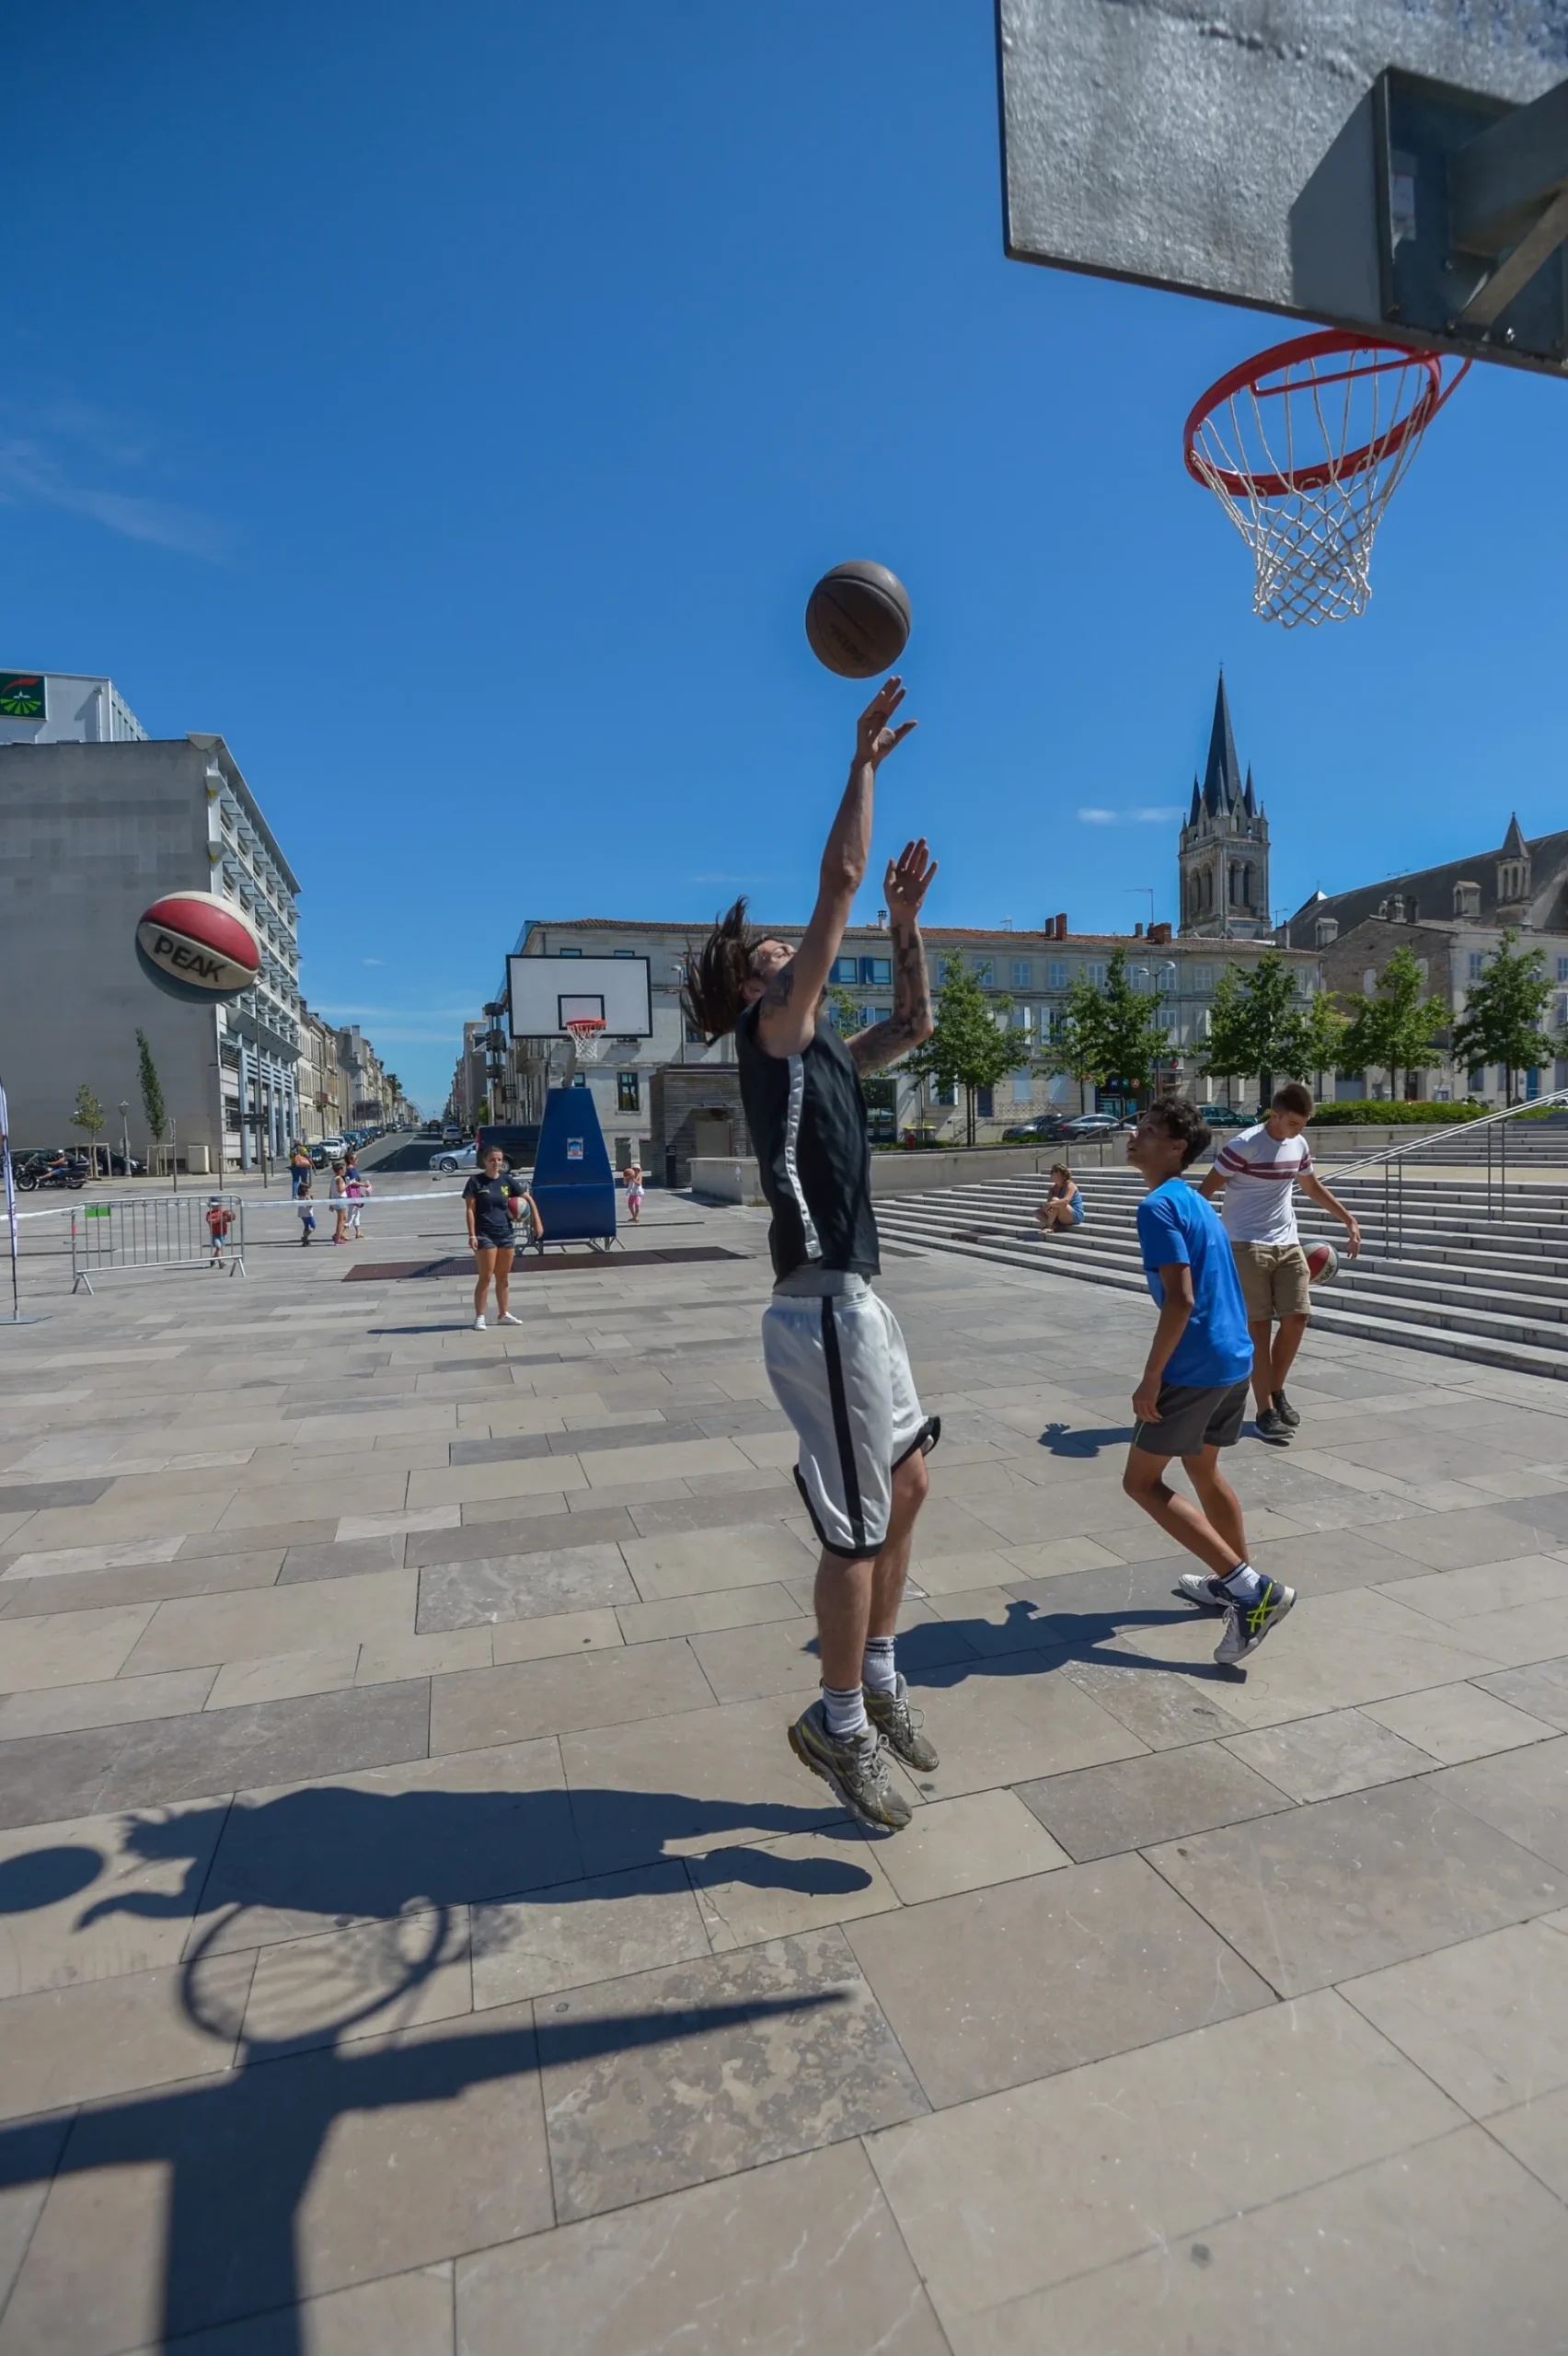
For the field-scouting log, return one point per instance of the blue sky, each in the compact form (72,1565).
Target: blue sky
(453,407)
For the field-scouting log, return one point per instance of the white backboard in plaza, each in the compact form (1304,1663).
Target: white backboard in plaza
(1372,164)
(544,994)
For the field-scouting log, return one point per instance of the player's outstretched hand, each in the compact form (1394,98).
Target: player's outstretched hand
(874,740)
(906,882)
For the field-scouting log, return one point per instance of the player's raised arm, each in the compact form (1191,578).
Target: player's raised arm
(907,881)
(790,999)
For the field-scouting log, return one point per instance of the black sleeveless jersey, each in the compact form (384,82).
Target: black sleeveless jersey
(807,1119)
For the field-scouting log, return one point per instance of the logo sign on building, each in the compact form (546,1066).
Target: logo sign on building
(22,696)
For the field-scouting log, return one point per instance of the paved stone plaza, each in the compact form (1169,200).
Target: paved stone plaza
(410,1906)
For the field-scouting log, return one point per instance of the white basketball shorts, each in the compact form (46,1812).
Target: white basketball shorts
(840,1371)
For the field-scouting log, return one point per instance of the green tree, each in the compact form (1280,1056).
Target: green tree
(1130,1040)
(89,1115)
(969,1049)
(1394,1029)
(1257,1027)
(1076,1042)
(1501,1024)
(1321,1043)
(152,1103)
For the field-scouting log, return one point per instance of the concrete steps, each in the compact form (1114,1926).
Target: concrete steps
(1458,1284)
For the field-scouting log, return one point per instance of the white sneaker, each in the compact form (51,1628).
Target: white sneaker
(506,1318)
(479,1324)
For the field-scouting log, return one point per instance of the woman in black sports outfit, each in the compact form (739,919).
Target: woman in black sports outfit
(490,1200)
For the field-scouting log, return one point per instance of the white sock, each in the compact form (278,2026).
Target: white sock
(1243,1585)
(877,1670)
(845,1713)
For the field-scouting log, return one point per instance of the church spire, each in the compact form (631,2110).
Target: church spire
(1197,804)
(1222,777)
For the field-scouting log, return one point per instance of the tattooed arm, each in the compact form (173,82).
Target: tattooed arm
(907,881)
(788,1020)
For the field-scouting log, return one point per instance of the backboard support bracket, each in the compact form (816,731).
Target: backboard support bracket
(1472,207)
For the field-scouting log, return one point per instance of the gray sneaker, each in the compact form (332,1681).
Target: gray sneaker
(1270,1425)
(856,1770)
(1202,1588)
(1285,1411)
(899,1726)
(1246,1624)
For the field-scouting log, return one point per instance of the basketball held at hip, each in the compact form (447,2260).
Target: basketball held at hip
(858,619)
(1322,1262)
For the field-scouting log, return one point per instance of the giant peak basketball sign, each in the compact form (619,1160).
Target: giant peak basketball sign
(195,947)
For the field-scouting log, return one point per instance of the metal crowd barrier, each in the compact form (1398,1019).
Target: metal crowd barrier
(154,1232)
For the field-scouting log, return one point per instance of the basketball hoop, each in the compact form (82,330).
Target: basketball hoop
(1304,447)
(586,1032)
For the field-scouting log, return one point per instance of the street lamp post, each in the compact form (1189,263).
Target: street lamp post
(125,1134)
(1154,979)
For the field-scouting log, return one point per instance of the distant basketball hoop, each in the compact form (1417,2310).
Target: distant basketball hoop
(588,1036)
(1304,447)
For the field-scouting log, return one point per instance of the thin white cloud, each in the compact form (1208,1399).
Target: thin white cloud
(373,961)
(1144,815)
(729,879)
(33,472)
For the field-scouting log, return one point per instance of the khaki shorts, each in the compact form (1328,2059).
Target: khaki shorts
(1275,1281)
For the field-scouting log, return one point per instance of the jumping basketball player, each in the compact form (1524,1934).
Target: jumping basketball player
(833,1350)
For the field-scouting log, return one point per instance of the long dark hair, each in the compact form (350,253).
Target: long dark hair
(717,974)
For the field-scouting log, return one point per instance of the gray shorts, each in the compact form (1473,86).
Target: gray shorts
(1193,1417)
(840,1371)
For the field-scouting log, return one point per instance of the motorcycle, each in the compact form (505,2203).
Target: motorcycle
(43,1170)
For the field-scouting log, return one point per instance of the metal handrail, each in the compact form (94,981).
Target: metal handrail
(1436,1137)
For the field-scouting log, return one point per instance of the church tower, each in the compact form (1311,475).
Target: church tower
(1224,849)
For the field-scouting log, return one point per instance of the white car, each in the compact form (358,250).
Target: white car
(452,1157)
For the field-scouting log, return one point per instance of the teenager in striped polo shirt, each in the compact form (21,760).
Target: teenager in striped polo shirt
(1257,1172)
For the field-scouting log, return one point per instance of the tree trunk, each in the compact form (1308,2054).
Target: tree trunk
(969,1115)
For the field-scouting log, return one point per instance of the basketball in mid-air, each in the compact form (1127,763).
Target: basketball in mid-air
(1322,1262)
(858,619)
(198,948)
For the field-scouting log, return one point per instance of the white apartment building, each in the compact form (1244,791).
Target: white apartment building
(94,827)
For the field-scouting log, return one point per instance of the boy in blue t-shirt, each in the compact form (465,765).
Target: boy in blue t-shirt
(1192,1394)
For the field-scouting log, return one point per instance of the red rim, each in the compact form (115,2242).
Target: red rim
(1288,355)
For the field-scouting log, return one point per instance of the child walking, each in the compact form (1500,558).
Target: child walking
(356,1188)
(1192,1394)
(634,1192)
(305,1208)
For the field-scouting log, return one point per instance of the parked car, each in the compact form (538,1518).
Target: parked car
(327,1150)
(1226,1117)
(119,1168)
(452,1157)
(1045,1129)
(1092,1125)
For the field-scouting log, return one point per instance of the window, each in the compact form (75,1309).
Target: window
(983,971)
(1057,974)
(1021,1017)
(623,952)
(1369,980)
(1166,1018)
(1421,968)
(1023,974)
(629,1092)
(1095,976)
(876,969)
(1202,978)
(1563,1011)
(948,969)
(1562,969)
(845,969)
(985,1104)
(569,953)
(1023,1088)
(1478,964)
(946,1095)
(1475,1079)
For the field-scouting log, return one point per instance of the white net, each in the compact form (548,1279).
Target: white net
(589,1037)
(1304,448)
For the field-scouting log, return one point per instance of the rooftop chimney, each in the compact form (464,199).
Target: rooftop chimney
(1062,926)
